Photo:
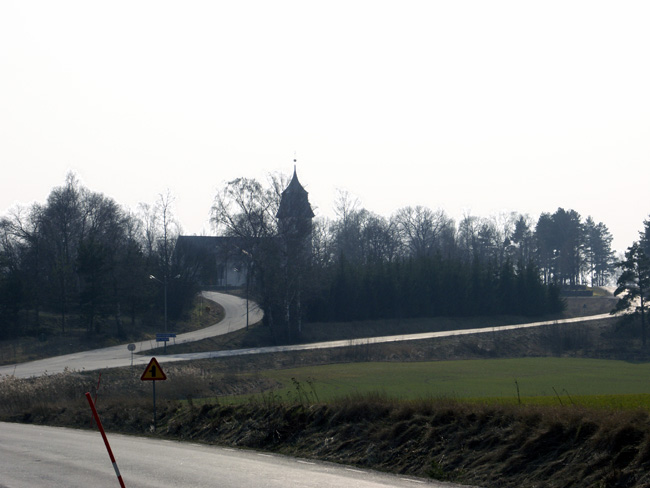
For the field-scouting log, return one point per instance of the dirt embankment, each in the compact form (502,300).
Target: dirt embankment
(484,446)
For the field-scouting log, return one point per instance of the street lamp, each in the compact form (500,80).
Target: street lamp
(249,265)
(164,283)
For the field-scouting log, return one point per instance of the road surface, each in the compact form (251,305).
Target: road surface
(37,456)
(235,319)
(118,356)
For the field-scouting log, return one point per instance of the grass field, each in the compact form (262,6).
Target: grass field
(567,381)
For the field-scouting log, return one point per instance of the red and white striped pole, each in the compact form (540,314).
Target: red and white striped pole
(108,447)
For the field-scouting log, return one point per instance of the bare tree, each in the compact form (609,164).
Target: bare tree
(347,227)
(422,229)
(25,229)
(467,237)
(148,221)
(168,230)
(245,209)
(380,240)
(323,246)
(61,228)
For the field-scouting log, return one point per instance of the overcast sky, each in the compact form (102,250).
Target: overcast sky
(475,107)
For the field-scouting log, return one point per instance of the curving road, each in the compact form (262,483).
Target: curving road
(118,356)
(235,308)
(375,340)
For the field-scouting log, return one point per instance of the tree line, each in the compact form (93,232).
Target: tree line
(82,257)
(80,254)
(418,262)
(566,250)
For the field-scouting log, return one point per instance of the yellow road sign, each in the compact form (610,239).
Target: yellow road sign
(153,372)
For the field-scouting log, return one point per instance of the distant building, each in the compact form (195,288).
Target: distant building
(221,262)
(216,262)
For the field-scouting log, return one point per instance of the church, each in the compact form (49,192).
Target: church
(224,262)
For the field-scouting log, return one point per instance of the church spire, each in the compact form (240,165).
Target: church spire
(295,200)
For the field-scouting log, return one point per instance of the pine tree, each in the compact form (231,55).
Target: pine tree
(634,284)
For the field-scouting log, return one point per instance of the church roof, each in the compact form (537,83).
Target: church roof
(295,200)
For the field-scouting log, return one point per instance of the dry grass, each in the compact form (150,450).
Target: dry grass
(117,387)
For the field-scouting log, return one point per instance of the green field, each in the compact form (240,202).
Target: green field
(540,380)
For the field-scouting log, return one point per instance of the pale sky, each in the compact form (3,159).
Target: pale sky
(474,107)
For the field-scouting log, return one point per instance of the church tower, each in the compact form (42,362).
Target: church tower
(295,218)
(295,225)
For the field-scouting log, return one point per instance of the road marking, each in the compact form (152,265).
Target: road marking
(264,455)
(412,481)
(354,470)
(304,462)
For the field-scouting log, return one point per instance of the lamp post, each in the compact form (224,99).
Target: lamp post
(249,265)
(164,283)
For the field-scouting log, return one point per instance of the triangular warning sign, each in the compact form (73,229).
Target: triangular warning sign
(153,372)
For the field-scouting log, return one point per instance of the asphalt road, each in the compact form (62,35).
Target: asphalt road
(118,356)
(235,318)
(37,456)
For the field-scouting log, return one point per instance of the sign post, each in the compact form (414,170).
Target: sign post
(131,347)
(164,337)
(153,373)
